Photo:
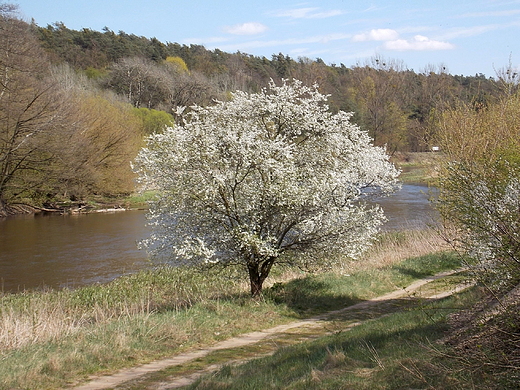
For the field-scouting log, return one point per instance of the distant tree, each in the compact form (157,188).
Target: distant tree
(164,86)
(283,65)
(143,82)
(266,178)
(238,75)
(310,72)
(508,79)
(153,121)
(429,93)
(377,92)
(177,64)
(186,90)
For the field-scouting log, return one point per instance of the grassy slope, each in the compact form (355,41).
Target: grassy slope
(52,339)
(418,167)
(398,351)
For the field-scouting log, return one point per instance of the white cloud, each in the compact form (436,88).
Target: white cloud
(418,43)
(380,34)
(464,32)
(251,28)
(308,13)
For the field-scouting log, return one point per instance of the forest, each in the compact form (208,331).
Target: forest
(75,106)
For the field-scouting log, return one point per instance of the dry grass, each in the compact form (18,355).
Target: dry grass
(394,247)
(36,322)
(35,317)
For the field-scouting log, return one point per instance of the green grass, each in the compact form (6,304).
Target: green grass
(419,167)
(330,291)
(397,351)
(55,338)
(140,199)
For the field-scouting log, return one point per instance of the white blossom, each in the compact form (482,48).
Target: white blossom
(262,175)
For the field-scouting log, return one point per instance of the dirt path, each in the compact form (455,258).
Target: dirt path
(304,326)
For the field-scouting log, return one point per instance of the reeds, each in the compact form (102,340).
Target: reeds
(34,317)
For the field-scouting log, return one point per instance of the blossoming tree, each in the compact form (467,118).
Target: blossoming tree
(264,178)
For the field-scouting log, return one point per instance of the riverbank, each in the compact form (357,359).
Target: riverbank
(61,339)
(421,167)
(56,338)
(95,204)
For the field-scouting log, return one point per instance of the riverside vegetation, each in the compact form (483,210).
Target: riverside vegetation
(71,125)
(53,339)
(57,338)
(76,105)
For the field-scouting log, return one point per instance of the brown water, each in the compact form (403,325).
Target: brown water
(409,208)
(70,250)
(77,250)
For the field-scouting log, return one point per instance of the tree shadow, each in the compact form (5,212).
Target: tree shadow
(412,272)
(309,296)
(373,346)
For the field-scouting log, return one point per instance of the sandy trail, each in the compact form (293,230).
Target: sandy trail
(126,375)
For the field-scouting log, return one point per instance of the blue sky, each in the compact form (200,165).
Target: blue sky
(467,37)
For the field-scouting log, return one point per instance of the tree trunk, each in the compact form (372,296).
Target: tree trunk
(256,280)
(258,272)
(3,208)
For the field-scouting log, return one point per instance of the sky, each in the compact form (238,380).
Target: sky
(464,37)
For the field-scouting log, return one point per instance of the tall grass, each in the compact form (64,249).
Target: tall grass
(49,339)
(395,246)
(30,317)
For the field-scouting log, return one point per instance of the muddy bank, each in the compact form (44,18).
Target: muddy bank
(69,208)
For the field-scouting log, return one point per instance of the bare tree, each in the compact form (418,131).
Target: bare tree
(142,81)
(29,111)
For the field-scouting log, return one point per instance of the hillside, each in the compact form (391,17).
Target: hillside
(79,103)
(395,104)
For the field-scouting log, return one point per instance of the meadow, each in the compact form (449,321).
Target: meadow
(58,338)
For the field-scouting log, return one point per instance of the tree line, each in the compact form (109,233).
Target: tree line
(75,105)
(398,106)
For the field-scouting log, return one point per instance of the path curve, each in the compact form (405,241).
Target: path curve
(126,375)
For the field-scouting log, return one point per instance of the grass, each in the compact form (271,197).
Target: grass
(51,339)
(140,199)
(398,351)
(421,167)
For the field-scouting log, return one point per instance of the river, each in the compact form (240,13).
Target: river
(77,250)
